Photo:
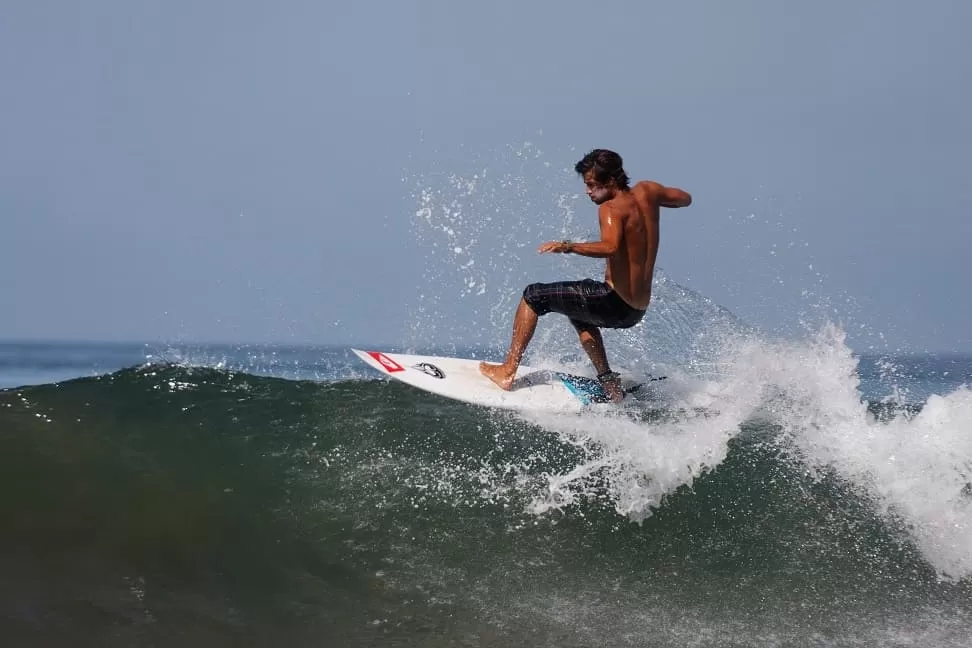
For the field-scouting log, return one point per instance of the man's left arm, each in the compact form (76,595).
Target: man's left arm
(671,197)
(610,238)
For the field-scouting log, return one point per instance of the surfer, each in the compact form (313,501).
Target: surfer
(628,218)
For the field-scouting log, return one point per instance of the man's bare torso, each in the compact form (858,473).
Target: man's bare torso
(630,270)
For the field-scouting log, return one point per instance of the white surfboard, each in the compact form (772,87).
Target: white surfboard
(460,379)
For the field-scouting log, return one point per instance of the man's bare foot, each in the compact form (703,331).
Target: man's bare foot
(612,387)
(498,374)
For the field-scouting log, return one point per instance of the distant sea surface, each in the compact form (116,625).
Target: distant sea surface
(221,495)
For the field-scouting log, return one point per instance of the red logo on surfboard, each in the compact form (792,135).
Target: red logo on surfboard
(390,365)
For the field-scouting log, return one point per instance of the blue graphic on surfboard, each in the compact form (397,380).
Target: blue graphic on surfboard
(460,379)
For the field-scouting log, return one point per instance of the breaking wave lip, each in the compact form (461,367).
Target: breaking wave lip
(916,468)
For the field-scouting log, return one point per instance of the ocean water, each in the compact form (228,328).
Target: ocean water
(792,494)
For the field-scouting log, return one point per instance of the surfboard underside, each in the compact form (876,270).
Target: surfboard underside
(460,379)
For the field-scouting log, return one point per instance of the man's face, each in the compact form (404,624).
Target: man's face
(597,192)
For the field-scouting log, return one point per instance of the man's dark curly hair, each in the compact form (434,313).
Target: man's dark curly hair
(606,166)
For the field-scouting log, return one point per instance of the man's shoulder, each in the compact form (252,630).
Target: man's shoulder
(647,186)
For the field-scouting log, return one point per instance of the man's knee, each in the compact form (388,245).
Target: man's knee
(535,298)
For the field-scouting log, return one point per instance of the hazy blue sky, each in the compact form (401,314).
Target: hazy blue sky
(239,170)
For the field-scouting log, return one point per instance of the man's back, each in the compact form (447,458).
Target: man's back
(629,271)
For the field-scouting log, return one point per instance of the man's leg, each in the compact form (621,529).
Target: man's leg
(524,324)
(593,343)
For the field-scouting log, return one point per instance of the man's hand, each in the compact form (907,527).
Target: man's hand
(557,247)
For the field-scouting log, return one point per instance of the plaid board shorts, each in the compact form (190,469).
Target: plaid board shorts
(583,302)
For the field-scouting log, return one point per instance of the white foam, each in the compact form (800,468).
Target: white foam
(917,469)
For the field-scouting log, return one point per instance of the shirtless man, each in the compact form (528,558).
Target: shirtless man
(628,218)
